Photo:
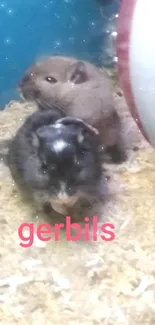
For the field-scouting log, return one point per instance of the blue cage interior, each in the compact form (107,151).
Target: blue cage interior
(30,29)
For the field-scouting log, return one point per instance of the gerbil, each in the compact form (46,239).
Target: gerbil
(21,151)
(81,90)
(56,160)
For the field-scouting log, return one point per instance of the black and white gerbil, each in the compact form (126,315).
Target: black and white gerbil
(82,91)
(56,160)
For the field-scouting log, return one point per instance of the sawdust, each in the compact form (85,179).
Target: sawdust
(86,283)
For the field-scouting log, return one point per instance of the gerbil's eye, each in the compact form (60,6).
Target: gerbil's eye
(52,80)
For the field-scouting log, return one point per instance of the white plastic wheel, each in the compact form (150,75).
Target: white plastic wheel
(136,61)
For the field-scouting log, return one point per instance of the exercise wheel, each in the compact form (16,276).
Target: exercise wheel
(136,62)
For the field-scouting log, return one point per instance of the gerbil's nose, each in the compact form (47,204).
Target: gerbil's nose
(62,202)
(66,200)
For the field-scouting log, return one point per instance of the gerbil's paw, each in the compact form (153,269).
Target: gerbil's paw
(118,155)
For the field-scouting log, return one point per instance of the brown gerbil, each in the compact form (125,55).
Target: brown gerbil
(79,89)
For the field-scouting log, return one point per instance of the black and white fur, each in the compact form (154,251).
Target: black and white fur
(56,160)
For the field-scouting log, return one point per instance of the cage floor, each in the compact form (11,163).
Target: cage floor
(85,283)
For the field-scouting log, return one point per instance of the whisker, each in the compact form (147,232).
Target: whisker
(53,106)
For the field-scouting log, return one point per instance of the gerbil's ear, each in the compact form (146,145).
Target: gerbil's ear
(77,73)
(80,125)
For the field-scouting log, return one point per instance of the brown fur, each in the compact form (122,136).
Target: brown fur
(82,91)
